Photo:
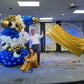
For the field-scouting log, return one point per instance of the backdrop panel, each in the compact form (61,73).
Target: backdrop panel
(50,45)
(37,31)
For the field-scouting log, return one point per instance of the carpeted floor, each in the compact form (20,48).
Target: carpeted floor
(48,72)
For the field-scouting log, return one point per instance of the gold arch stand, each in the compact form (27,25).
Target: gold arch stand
(69,42)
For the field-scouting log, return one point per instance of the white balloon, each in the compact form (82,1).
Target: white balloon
(2,42)
(23,25)
(5,46)
(4,38)
(14,40)
(26,35)
(16,55)
(23,39)
(13,44)
(22,30)
(9,40)
(19,19)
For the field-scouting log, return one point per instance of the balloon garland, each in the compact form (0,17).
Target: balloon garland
(13,39)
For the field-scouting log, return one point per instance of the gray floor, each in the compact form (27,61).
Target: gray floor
(48,72)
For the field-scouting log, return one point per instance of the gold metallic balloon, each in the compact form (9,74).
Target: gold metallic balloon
(18,24)
(4,22)
(17,48)
(14,50)
(12,17)
(17,29)
(33,22)
(9,49)
(20,27)
(24,47)
(33,19)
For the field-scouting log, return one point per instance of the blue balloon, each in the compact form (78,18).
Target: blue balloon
(14,63)
(7,59)
(9,64)
(10,32)
(27,20)
(2,57)
(23,61)
(18,60)
(3,61)
(13,59)
(5,64)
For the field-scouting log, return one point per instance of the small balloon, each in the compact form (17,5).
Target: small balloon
(9,64)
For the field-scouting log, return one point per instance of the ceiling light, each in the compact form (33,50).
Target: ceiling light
(0,14)
(72,4)
(29,3)
(78,11)
(62,14)
(50,18)
(46,19)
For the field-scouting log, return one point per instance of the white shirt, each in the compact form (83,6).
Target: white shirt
(35,38)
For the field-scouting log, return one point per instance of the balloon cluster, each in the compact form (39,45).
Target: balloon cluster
(27,20)
(12,36)
(7,59)
(10,32)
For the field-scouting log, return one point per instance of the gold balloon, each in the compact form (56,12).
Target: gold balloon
(24,47)
(18,24)
(9,49)
(37,20)
(20,27)
(4,22)
(17,48)
(14,47)
(20,45)
(33,19)
(14,50)
(33,22)
(12,17)
(17,29)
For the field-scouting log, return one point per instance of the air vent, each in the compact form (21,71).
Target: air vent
(73,7)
